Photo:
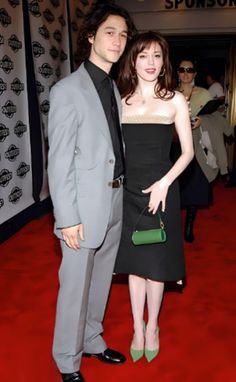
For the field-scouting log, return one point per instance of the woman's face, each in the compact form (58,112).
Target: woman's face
(149,63)
(186,72)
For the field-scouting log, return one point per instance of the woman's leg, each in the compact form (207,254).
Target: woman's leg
(137,290)
(154,299)
(191,212)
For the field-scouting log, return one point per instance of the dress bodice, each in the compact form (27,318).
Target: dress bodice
(147,148)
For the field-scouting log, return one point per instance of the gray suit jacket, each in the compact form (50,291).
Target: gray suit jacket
(81,157)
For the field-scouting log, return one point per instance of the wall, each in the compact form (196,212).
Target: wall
(183,17)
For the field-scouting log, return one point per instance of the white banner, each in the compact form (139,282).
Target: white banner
(15,155)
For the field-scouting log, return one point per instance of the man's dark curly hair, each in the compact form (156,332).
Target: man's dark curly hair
(92,21)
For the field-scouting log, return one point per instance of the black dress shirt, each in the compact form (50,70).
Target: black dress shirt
(103,85)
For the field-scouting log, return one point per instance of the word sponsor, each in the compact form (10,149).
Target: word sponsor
(175,4)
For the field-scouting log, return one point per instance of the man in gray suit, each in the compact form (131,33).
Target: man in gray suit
(85,169)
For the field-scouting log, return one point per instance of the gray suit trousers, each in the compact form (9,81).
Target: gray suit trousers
(85,278)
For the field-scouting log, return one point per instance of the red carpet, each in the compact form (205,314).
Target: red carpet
(198,327)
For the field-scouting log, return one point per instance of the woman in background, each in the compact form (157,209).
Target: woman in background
(195,181)
(151,111)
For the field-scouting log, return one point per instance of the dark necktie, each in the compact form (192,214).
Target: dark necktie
(116,119)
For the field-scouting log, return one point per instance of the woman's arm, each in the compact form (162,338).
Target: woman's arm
(183,129)
(159,189)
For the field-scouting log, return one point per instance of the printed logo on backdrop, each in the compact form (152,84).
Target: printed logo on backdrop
(19,129)
(55,3)
(34,8)
(2,41)
(15,195)
(62,21)
(44,107)
(4,132)
(14,3)
(48,16)
(12,153)
(1,203)
(3,86)
(6,64)
(44,32)
(54,52)
(57,35)
(17,86)
(38,49)
(74,26)
(9,109)
(46,70)
(40,87)
(5,177)
(14,43)
(5,19)
(63,56)
(22,170)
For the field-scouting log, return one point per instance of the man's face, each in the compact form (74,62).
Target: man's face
(109,42)
(209,80)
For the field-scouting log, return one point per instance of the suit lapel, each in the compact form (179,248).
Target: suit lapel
(94,103)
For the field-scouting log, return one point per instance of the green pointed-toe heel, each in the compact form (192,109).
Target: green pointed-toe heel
(136,354)
(151,354)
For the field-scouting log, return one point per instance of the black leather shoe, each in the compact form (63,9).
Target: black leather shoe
(72,377)
(108,356)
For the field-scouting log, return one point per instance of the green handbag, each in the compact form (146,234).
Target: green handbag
(149,236)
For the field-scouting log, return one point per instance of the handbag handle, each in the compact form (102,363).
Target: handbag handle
(140,216)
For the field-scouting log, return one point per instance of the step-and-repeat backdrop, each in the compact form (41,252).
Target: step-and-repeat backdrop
(15,160)
(50,53)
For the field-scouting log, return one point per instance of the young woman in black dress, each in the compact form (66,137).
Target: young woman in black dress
(151,111)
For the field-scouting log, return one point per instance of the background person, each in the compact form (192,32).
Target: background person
(217,92)
(215,88)
(210,156)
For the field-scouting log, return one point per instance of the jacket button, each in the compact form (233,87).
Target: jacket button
(77,150)
(111,161)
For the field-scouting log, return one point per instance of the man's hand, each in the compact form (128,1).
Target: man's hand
(73,235)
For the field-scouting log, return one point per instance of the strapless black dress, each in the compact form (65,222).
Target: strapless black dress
(147,148)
